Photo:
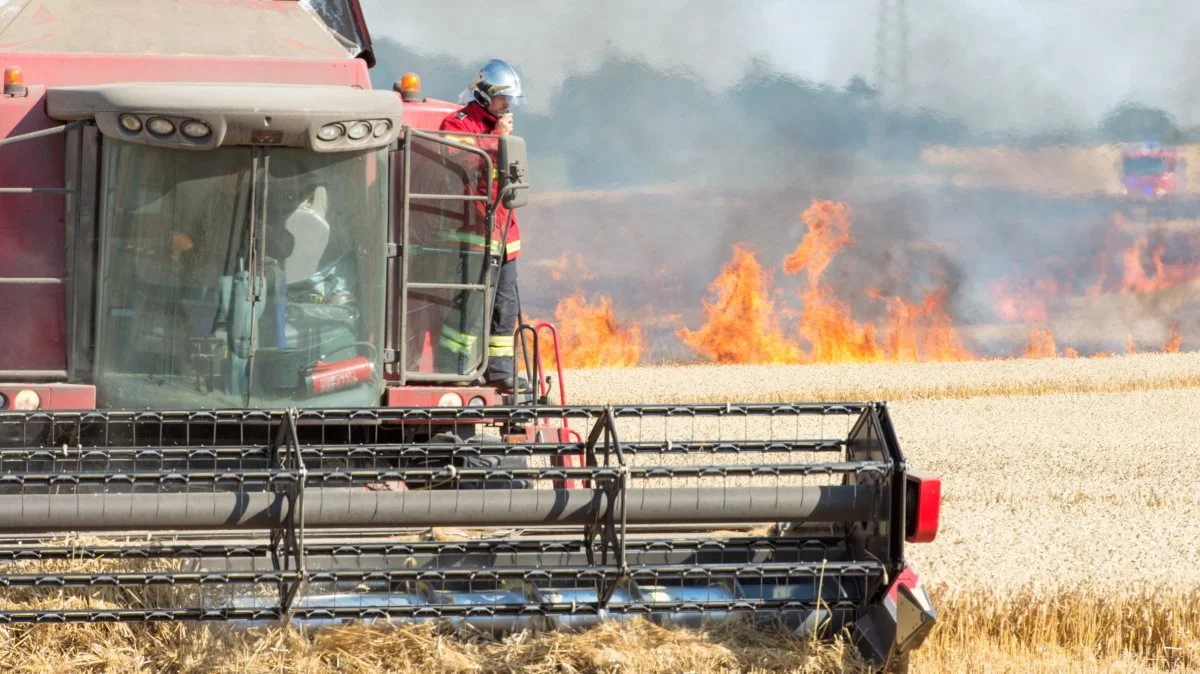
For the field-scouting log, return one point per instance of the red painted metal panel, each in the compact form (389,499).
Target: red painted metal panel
(427,114)
(428,396)
(31,225)
(55,396)
(32,327)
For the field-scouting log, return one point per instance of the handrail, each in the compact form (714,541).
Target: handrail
(41,133)
(407,197)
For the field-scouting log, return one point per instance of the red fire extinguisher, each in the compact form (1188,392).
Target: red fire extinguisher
(326,377)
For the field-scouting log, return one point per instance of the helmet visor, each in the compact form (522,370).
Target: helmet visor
(467,95)
(512,100)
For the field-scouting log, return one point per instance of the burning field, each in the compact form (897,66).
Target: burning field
(828,284)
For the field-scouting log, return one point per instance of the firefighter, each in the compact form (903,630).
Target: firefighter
(496,88)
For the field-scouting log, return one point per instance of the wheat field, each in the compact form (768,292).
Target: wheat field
(1070,534)
(1070,537)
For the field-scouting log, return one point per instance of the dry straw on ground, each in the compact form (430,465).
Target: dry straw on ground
(1086,630)
(638,646)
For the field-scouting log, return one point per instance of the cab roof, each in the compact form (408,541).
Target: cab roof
(251,28)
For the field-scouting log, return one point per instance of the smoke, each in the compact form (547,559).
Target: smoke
(1022,65)
(707,124)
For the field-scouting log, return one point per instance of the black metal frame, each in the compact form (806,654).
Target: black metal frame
(83,251)
(268,464)
(287,540)
(610,524)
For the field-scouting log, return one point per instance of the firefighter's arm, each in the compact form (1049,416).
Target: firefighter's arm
(450,125)
(466,161)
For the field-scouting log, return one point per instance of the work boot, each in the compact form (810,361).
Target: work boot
(521,384)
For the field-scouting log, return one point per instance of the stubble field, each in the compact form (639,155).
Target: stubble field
(1070,537)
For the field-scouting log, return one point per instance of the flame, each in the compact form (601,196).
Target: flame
(1041,344)
(912,332)
(1139,268)
(1174,342)
(1135,279)
(834,334)
(826,322)
(828,225)
(740,325)
(590,335)
(747,320)
(923,331)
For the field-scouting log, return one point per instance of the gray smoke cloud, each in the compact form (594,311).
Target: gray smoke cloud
(1018,66)
(1024,65)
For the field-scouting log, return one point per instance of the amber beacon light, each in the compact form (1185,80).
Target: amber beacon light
(14,81)
(410,87)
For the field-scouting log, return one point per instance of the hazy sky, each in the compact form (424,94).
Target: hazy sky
(1020,64)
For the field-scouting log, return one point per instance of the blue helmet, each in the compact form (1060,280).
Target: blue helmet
(495,78)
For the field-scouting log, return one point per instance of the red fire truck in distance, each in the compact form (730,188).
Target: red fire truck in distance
(1152,172)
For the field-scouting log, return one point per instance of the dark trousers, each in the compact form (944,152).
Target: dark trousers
(504,324)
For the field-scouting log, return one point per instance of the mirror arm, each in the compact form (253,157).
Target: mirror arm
(511,187)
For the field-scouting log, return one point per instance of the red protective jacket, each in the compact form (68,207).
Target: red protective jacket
(475,119)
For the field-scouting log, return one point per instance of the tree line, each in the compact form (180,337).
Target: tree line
(628,123)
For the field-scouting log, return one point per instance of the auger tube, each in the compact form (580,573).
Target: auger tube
(326,508)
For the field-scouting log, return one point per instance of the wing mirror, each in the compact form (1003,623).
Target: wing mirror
(514,172)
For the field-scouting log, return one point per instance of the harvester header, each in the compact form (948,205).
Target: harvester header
(324,516)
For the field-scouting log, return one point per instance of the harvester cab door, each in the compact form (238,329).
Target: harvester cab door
(442,265)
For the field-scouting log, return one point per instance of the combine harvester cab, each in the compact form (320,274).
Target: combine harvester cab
(225,402)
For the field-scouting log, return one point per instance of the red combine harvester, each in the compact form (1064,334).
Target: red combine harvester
(226,265)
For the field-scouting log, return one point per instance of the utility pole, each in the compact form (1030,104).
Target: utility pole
(891,63)
(891,52)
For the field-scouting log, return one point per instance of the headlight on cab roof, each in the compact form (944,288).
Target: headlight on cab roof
(331,132)
(130,123)
(195,129)
(160,126)
(359,130)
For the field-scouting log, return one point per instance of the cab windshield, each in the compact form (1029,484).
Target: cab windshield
(1144,166)
(241,277)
